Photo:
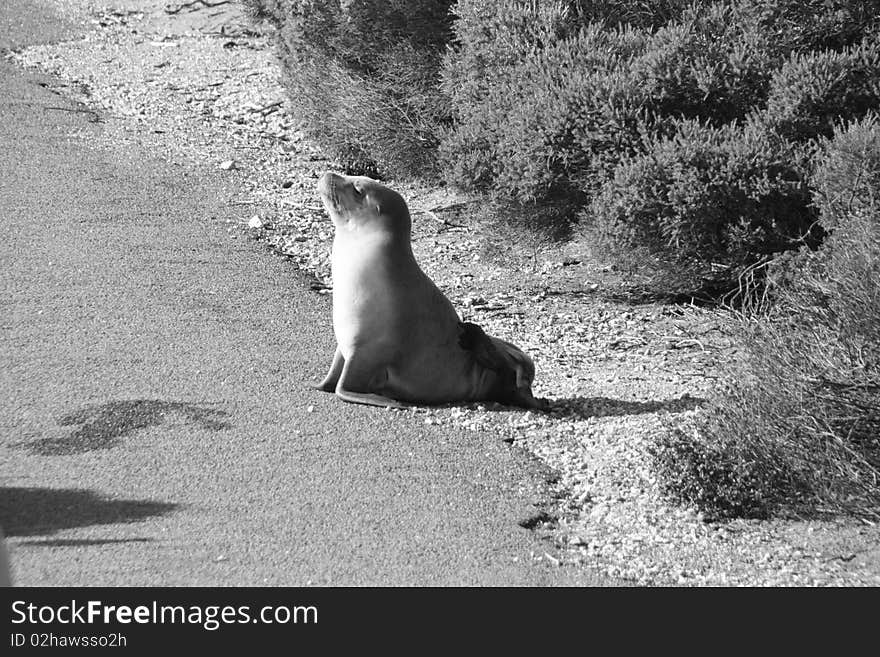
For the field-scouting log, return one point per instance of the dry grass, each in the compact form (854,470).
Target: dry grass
(798,426)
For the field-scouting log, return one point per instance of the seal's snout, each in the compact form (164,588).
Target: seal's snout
(325,185)
(328,186)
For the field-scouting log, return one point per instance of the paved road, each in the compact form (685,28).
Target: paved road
(154,410)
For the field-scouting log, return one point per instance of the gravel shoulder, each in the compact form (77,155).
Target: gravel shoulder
(197,85)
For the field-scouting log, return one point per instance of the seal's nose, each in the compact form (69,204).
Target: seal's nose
(324,184)
(328,182)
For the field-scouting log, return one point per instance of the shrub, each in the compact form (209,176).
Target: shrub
(847,179)
(561,107)
(713,63)
(546,103)
(812,90)
(493,40)
(802,25)
(683,128)
(846,278)
(722,466)
(647,14)
(712,201)
(273,11)
(800,422)
(363,77)
(529,134)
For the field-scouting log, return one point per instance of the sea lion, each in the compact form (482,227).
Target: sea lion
(399,340)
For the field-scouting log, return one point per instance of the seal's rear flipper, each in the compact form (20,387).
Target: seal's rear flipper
(469,335)
(472,338)
(514,369)
(524,397)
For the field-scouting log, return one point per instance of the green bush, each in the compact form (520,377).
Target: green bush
(543,103)
(713,63)
(722,466)
(681,129)
(528,132)
(802,25)
(800,422)
(363,77)
(812,90)
(846,279)
(574,111)
(712,201)
(272,11)
(647,14)
(546,103)
(847,179)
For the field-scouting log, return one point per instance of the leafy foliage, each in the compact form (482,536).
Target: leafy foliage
(811,91)
(800,421)
(711,199)
(363,77)
(685,131)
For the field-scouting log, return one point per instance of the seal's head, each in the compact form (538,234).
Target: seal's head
(363,203)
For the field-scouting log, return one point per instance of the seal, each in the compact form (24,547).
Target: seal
(399,340)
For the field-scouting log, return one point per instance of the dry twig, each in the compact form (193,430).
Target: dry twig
(177,8)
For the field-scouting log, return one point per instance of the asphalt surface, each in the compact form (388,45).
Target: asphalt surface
(157,425)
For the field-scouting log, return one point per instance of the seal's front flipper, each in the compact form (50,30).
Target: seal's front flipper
(359,382)
(368,398)
(332,378)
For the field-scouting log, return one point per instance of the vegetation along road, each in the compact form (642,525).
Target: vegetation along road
(672,207)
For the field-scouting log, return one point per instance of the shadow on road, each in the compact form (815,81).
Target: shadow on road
(44,511)
(83,542)
(587,407)
(105,425)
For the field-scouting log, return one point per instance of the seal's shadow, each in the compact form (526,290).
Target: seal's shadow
(103,426)
(588,407)
(44,511)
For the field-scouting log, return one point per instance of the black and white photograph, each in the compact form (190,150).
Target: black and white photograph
(436,294)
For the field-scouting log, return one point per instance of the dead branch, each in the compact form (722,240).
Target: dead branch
(96,118)
(433,216)
(177,8)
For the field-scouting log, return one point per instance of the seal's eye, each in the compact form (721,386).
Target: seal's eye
(357,190)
